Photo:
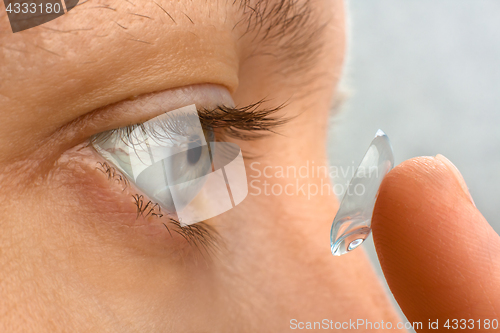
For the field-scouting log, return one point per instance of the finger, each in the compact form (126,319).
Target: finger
(439,255)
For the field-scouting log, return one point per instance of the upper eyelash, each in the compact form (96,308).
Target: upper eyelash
(247,123)
(129,136)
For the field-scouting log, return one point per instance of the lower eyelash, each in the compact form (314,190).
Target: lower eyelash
(201,235)
(113,174)
(149,209)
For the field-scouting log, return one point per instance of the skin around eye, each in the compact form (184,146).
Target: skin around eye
(126,213)
(121,211)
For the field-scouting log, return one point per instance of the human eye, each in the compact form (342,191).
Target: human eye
(178,160)
(172,149)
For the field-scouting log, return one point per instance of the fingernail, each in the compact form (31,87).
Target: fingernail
(454,170)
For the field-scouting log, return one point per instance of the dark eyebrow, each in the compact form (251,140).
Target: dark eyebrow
(288,30)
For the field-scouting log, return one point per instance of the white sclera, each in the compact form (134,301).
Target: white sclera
(352,224)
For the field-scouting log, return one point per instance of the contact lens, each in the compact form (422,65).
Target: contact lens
(352,224)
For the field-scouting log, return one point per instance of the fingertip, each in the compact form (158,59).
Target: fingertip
(430,239)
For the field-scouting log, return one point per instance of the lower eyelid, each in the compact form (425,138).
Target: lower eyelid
(110,202)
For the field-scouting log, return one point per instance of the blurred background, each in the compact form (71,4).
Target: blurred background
(426,72)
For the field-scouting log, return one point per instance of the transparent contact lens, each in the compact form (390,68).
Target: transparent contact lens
(177,163)
(352,224)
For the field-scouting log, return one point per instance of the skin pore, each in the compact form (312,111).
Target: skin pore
(75,256)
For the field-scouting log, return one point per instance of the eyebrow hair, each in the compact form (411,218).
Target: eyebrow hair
(287,30)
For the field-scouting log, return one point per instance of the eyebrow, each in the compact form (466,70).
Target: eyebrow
(287,30)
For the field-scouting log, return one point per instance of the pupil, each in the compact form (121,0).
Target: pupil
(194,154)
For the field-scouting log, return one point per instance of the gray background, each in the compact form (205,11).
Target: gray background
(427,72)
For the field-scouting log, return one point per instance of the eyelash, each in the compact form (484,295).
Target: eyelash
(112,174)
(201,235)
(247,123)
(250,122)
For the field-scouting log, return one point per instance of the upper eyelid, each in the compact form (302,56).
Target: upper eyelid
(247,123)
(136,110)
(168,125)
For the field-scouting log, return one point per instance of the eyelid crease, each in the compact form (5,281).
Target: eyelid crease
(134,110)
